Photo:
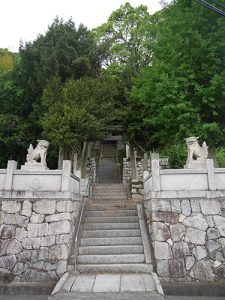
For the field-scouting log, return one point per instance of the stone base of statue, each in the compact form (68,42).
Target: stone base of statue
(34,166)
(195,164)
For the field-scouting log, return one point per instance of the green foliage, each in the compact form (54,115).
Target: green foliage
(182,92)
(13,134)
(124,40)
(220,154)
(162,77)
(177,155)
(79,110)
(6,60)
(65,52)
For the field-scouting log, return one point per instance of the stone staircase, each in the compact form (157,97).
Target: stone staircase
(111,239)
(111,192)
(114,252)
(108,171)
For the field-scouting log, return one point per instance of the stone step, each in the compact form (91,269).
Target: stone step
(109,193)
(109,169)
(111,233)
(112,186)
(111,241)
(110,179)
(106,226)
(110,206)
(124,249)
(127,219)
(102,296)
(110,213)
(116,268)
(111,259)
(109,196)
(109,189)
(109,186)
(109,200)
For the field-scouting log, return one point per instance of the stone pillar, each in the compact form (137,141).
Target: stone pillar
(211,174)
(75,160)
(127,151)
(60,158)
(66,171)
(155,172)
(11,167)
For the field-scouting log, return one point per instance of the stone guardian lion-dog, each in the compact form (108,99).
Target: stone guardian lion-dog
(197,155)
(38,155)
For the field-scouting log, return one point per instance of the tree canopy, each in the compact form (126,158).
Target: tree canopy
(183,90)
(160,76)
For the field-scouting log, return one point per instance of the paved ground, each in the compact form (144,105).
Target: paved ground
(106,297)
(108,283)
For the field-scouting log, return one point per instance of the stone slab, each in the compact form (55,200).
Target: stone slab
(148,282)
(68,284)
(83,283)
(60,283)
(132,283)
(106,283)
(111,296)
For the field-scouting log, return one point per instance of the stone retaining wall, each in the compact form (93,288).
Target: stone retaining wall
(36,236)
(127,172)
(91,170)
(188,238)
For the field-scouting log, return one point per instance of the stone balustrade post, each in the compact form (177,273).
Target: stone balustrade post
(66,172)
(211,174)
(11,167)
(155,172)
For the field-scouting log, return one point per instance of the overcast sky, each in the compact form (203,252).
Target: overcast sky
(25,19)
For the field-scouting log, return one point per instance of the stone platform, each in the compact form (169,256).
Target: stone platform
(71,284)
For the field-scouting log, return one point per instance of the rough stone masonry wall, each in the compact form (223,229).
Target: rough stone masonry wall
(127,172)
(188,238)
(35,238)
(91,170)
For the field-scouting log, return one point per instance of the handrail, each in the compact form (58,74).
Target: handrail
(75,177)
(139,146)
(77,237)
(148,177)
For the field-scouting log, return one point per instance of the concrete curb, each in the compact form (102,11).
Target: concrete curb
(60,284)
(158,285)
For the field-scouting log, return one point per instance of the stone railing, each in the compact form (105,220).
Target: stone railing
(175,183)
(38,213)
(185,212)
(22,182)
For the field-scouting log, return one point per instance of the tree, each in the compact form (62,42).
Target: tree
(78,111)
(6,60)
(124,41)
(182,91)
(64,51)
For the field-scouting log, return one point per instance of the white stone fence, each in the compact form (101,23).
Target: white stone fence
(39,210)
(185,210)
(175,183)
(15,182)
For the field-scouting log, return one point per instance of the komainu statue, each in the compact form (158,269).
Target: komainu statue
(36,157)
(197,155)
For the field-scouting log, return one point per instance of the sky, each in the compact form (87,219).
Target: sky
(23,20)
